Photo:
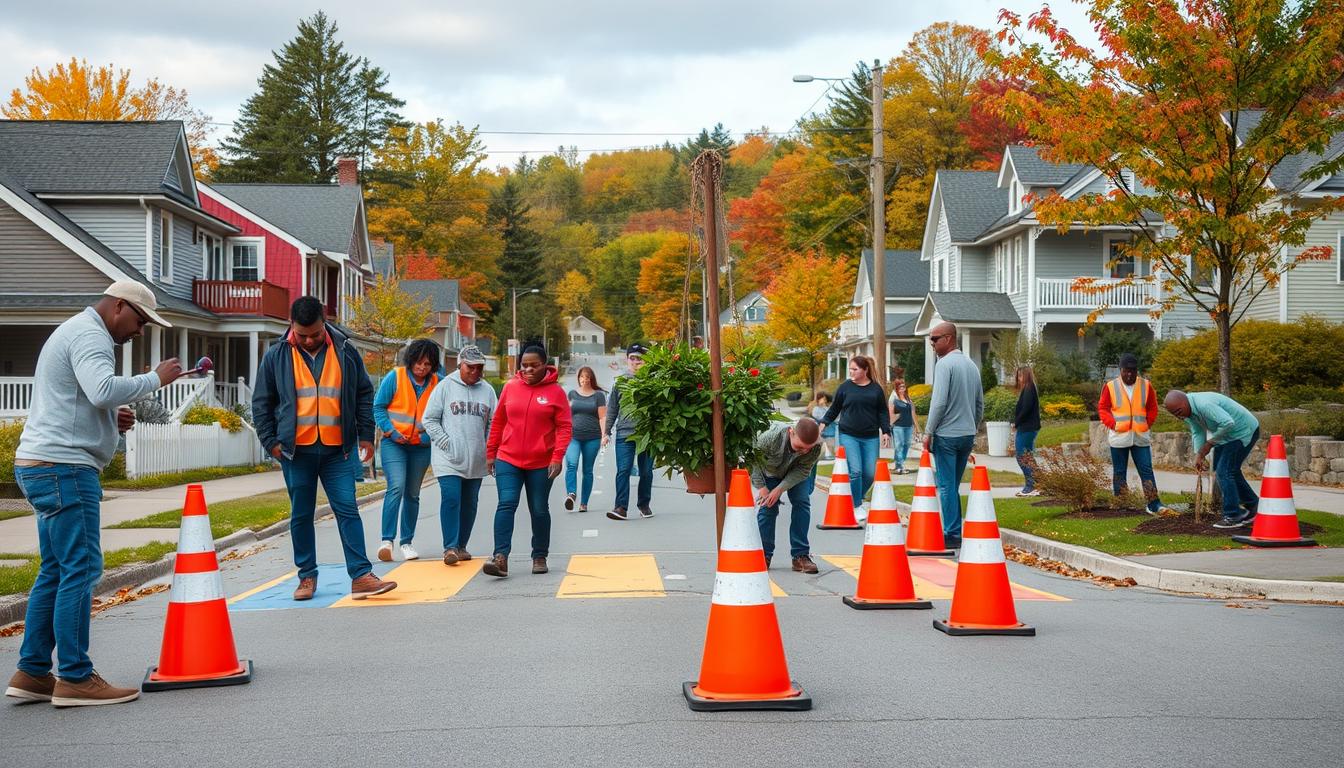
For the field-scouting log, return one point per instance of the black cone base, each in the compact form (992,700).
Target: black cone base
(878,605)
(245,676)
(1274,542)
(930,552)
(698,703)
(1021,630)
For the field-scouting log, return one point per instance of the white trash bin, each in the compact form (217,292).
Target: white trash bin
(997,432)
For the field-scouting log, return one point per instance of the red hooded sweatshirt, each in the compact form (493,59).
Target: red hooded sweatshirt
(532,424)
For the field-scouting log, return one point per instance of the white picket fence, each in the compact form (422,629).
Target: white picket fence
(153,449)
(16,393)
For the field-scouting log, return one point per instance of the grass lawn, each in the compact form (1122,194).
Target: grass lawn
(182,478)
(6,514)
(1055,433)
(996,477)
(16,579)
(254,512)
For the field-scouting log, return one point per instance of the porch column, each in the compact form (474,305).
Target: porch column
(252,343)
(182,353)
(930,360)
(155,345)
(126,358)
(1032,234)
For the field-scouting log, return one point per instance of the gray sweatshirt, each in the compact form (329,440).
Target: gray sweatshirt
(619,426)
(457,420)
(958,403)
(76,393)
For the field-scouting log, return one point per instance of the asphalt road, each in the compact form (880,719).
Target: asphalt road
(505,673)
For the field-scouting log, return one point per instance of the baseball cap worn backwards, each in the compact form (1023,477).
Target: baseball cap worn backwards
(139,296)
(471,355)
(636,350)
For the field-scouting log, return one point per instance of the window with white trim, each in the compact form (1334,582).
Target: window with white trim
(1015,267)
(1339,258)
(1115,265)
(214,267)
(165,246)
(245,261)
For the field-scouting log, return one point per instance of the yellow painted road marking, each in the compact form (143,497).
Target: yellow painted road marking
(611,576)
(776,591)
(420,582)
(263,587)
(924,589)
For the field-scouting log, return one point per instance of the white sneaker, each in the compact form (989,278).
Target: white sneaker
(407,553)
(385,551)
(861,512)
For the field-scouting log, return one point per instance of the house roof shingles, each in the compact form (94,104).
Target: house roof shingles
(974,307)
(906,277)
(973,202)
(93,157)
(321,215)
(1035,171)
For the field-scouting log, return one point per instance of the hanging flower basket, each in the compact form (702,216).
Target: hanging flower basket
(700,481)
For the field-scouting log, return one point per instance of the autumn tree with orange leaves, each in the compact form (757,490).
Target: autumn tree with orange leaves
(77,91)
(662,281)
(1209,117)
(809,298)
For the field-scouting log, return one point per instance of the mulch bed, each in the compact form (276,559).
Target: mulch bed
(1185,524)
(1101,513)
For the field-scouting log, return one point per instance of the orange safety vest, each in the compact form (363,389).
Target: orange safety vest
(406,412)
(1130,414)
(317,404)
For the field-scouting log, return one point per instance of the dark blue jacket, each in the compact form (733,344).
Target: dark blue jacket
(273,401)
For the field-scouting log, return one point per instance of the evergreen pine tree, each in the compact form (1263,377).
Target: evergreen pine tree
(315,103)
(520,265)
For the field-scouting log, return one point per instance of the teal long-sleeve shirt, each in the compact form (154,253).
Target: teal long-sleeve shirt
(383,398)
(1218,419)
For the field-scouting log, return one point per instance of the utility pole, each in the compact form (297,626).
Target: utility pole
(709,177)
(879,181)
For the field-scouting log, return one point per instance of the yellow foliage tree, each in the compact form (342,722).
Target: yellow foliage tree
(574,294)
(77,91)
(808,299)
(391,317)
(662,279)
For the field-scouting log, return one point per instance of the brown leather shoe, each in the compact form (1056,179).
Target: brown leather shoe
(369,585)
(496,566)
(450,556)
(91,692)
(306,588)
(804,563)
(25,687)
(463,554)
(539,565)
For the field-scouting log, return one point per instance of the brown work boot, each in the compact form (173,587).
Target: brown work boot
(25,687)
(306,588)
(463,554)
(450,556)
(368,585)
(539,565)
(804,563)
(496,566)
(90,693)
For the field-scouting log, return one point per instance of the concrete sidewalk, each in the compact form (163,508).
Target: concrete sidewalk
(19,534)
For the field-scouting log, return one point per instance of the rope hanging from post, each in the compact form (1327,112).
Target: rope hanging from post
(706,176)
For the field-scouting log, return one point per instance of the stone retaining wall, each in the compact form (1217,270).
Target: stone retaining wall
(1311,459)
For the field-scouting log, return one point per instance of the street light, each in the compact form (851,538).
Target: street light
(877,181)
(515,306)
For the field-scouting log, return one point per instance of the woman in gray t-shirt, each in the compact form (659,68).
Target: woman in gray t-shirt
(588,404)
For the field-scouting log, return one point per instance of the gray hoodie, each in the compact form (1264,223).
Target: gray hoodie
(457,420)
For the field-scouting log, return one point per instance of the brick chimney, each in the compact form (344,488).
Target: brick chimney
(347,171)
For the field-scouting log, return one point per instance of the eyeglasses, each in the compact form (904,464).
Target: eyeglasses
(144,319)
(933,339)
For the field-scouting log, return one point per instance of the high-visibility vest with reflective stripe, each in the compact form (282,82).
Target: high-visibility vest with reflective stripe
(317,403)
(1130,414)
(406,411)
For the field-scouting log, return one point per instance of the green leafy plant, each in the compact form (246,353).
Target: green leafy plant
(1065,405)
(1000,403)
(670,402)
(206,414)
(9,443)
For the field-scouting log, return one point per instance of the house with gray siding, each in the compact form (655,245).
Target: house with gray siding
(906,277)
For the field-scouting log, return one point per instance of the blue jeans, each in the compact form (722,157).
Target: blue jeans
(334,468)
(900,441)
(65,500)
(1143,462)
(511,482)
(1227,461)
(404,466)
(1023,446)
(457,509)
(587,451)
(625,459)
(800,517)
(861,454)
(949,457)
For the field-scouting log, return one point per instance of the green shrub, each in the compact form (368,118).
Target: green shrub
(1289,397)
(1114,342)
(205,414)
(116,468)
(9,443)
(1313,419)
(1000,403)
(1266,356)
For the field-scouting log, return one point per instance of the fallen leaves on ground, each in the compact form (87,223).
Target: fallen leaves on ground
(1063,569)
(1261,606)
(239,554)
(126,595)
(13,629)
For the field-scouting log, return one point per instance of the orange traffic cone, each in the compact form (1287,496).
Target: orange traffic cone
(198,646)
(839,501)
(744,665)
(884,570)
(1276,519)
(982,600)
(925,536)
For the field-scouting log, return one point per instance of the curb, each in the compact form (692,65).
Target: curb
(13,607)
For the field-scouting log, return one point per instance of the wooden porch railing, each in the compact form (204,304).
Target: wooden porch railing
(242,297)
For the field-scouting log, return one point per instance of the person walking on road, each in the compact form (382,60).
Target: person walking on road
(955,411)
(398,410)
(786,456)
(904,422)
(1128,408)
(529,435)
(860,410)
(457,421)
(1026,424)
(313,408)
(73,426)
(820,404)
(620,429)
(588,406)
(1220,424)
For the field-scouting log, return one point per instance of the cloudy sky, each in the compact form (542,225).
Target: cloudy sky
(540,69)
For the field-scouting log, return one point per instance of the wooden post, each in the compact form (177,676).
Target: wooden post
(712,340)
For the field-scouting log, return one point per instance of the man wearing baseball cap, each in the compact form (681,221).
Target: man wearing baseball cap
(622,428)
(69,437)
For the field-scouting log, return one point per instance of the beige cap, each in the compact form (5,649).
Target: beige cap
(139,295)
